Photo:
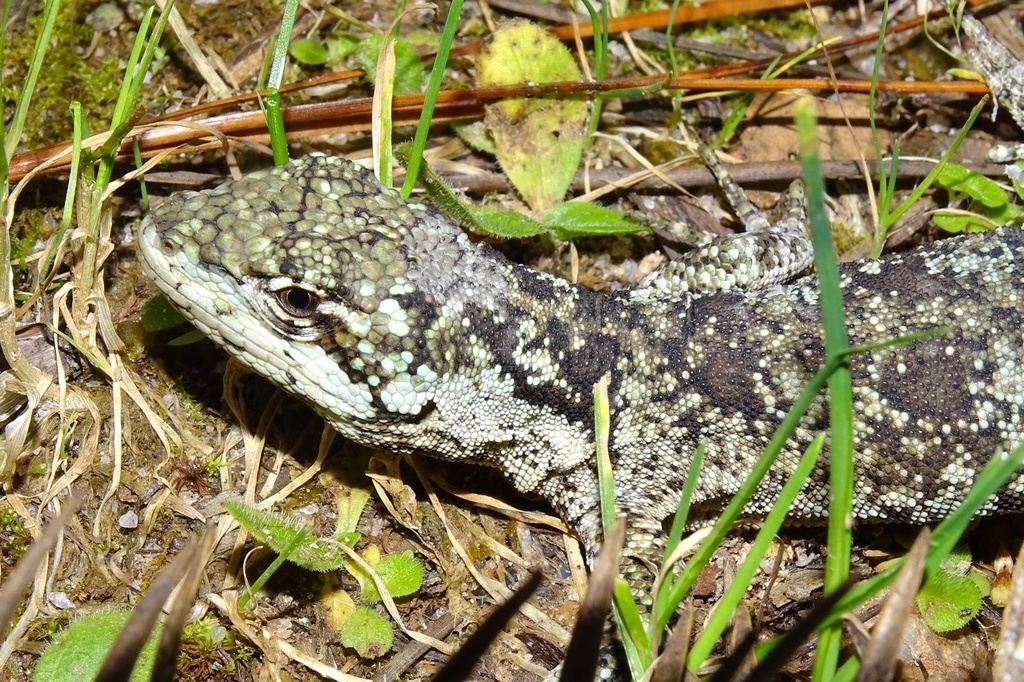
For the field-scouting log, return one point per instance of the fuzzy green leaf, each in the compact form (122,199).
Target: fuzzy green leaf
(950,597)
(408,67)
(402,575)
(475,135)
(78,651)
(538,140)
(308,51)
(368,633)
(948,602)
(575,219)
(279,534)
(505,224)
(566,221)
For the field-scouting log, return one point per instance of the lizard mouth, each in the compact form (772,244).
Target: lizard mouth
(165,262)
(146,240)
(157,255)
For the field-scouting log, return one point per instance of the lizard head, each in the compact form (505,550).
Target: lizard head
(321,280)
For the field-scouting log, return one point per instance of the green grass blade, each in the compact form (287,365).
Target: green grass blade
(683,510)
(419,142)
(944,538)
(272,105)
(383,96)
(669,46)
(884,198)
(143,189)
(635,642)
(78,125)
(627,615)
(3,126)
(599,27)
(840,390)
(268,573)
(126,108)
(605,480)
(284,35)
(946,534)
(727,605)
(926,183)
(123,104)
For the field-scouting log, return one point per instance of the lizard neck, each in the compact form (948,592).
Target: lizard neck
(515,388)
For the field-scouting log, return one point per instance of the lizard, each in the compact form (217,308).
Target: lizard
(405,334)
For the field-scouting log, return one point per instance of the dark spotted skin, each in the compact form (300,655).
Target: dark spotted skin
(403,334)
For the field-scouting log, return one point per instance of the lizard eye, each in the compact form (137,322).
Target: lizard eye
(298,302)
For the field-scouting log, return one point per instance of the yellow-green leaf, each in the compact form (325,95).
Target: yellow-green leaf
(538,141)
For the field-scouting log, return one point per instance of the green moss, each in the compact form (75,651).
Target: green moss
(737,30)
(45,629)
(14,538)
(29,226)
(781,26)
(66,76)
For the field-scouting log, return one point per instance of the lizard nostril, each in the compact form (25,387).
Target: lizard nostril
(169,247)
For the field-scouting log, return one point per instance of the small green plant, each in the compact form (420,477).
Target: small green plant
(888,172)
(362,627)
(951,595)
(206,642)
(408,75)
(336,48)
(987,204)
(77,652)
(214,465)
(538,141)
